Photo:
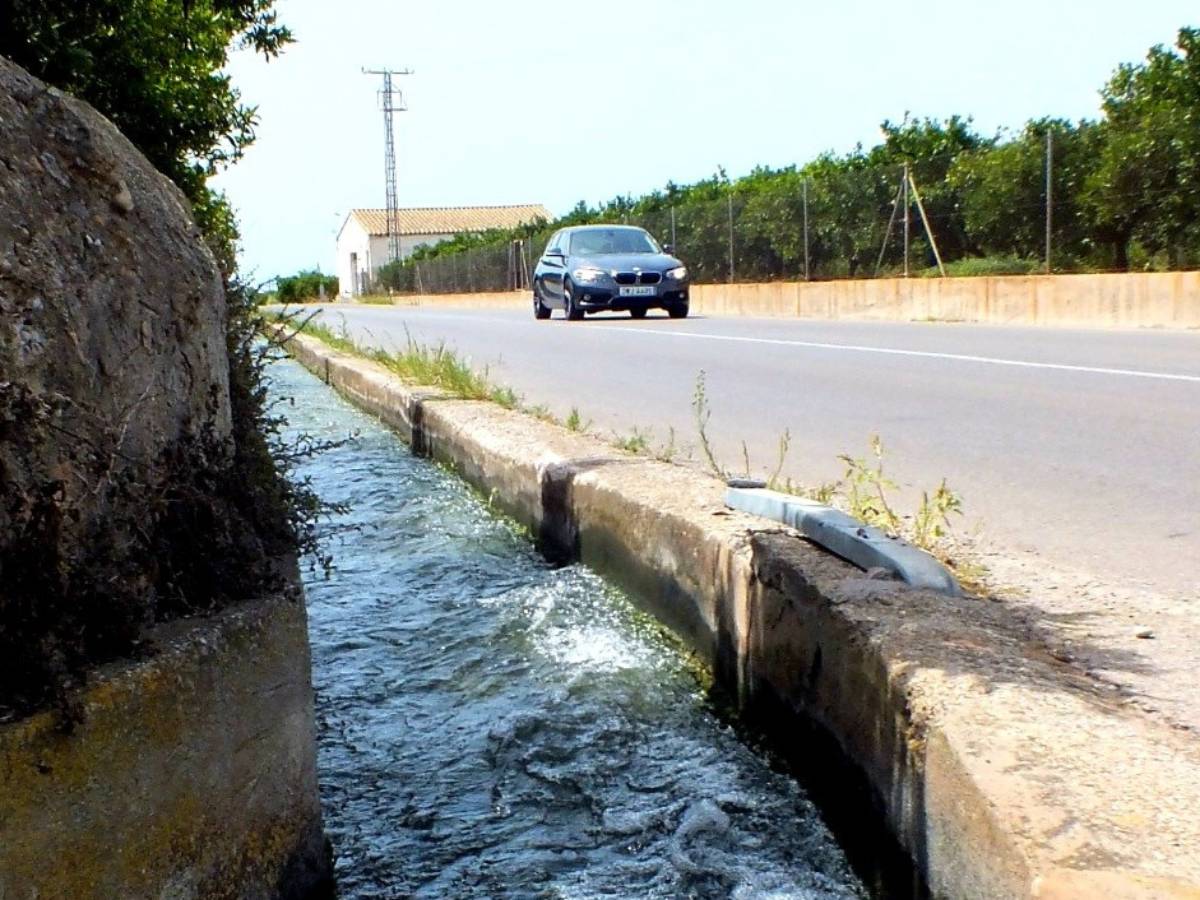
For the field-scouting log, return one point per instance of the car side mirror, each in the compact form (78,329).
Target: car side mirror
(668,248)
(555,252)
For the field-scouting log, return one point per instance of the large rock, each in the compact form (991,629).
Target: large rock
(188,771)
(108,293)
(113,378)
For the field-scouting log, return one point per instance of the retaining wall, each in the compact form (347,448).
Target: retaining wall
(191,774)
(1129,300)
(1003,772)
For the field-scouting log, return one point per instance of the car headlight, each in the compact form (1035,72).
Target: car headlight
(589,275)
(678,274)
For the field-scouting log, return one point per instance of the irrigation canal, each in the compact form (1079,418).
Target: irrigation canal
(493,726)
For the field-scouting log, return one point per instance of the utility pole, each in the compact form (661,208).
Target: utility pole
(391,100)
(806,229)
(731,272)
(674,244)
(907,220)
(1049,196)
(887,235)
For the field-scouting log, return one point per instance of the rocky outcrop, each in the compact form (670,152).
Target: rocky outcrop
(109,295)
(113,374)
(127,501)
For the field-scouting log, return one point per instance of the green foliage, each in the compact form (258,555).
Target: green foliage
(155,67)
(932,521)
(865,487)
(636,442)
(1146,181)
(308,285)
(978,266)
(1003,192)
(575,421)
(1126,190)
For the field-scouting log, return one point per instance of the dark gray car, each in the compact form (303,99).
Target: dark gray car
(591,268)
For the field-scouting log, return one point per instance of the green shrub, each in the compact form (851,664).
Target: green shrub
(988,265)
(306,285)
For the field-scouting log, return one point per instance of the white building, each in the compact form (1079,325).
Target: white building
(362,242)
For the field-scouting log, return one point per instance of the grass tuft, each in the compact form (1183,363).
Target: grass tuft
(636,443)
(434,366)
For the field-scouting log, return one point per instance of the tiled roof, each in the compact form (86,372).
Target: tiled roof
(451,219)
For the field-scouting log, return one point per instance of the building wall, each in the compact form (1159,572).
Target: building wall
(352,241)
(372,253)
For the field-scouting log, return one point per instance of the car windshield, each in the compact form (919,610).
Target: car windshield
(606,241)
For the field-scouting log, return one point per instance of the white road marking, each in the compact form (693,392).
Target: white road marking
(894,351)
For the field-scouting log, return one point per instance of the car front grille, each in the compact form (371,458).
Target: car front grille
(635,278)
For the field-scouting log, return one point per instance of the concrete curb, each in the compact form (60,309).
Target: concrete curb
(1002,772)
(866,547)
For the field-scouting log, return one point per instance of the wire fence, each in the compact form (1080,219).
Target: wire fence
(865,222)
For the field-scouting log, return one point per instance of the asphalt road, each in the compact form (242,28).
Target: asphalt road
(1080,446)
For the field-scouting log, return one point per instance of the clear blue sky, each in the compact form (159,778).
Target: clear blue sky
(557,102)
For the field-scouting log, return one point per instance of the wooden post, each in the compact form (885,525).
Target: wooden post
(928,227)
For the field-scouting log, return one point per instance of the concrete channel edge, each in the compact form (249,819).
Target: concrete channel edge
(866,547)
(1002,771)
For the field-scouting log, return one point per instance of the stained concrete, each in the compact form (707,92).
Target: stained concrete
(191,774)
(1004,772)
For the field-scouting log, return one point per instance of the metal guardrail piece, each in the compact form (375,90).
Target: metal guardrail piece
(844,535)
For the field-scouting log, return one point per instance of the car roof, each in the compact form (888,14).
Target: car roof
(573,228)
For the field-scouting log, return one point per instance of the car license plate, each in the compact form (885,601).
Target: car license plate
(639,291)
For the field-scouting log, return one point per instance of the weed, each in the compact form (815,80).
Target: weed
(575,421)
(505,396)
(932,521)
(338,341)
(702,414)
(636,443)
(666,453)
(785,443)
(865,489)
(540,411)
(435,366)
(825,492)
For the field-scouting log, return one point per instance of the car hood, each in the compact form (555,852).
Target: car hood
(627,262)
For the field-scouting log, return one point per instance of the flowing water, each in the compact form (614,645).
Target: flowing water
(493,726)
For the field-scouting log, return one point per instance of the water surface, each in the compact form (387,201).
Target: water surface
(492,726)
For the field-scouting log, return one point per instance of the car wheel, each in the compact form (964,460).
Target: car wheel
(573,312)
(540,309)
(678,311)
(638,312)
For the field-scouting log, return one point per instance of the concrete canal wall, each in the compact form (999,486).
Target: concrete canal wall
(1003,772)
(1124,300)
(190,774)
